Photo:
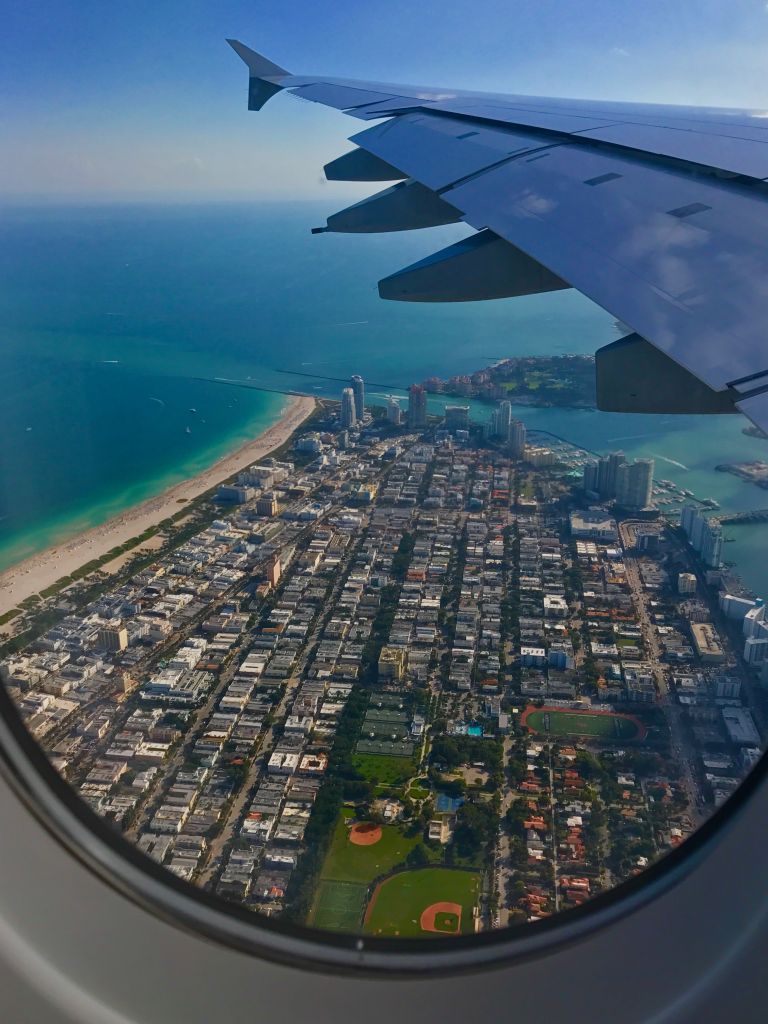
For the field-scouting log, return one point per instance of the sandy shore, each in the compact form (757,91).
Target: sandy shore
(40,571)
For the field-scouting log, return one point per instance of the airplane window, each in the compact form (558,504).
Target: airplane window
(382,620)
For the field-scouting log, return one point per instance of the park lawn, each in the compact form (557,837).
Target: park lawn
(563,723)
(417,793)
(338,906)
(389,771)
(399,902)
(346,862)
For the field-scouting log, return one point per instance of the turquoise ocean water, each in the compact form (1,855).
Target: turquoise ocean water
(109,315)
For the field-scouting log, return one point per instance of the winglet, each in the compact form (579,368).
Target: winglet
(262,85)
(258,66)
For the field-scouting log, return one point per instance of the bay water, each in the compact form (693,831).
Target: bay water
(116,321)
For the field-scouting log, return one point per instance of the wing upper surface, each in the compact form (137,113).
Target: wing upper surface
(659,214)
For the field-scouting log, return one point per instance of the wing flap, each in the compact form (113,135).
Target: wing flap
(756,409)
(480,267)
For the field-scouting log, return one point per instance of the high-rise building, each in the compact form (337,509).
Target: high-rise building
(501,420)
(592,477)
(687,515)
(712,546)
(274,570)
(394,412)
(607,472)
(517,438)
(348,416)
(699,526)
(634,483)
(705,537)
(417,407)
(600,477)
(456,417)
(267,504)
(686,583)
(358,390)
(754,623)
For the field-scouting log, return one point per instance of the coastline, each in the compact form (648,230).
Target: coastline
(43,569)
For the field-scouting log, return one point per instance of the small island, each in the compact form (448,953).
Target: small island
(753,472)
(562,380)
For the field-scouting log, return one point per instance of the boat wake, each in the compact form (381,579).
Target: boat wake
(672,462)
(631,437)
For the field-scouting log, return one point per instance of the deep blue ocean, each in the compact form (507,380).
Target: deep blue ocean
(109,315)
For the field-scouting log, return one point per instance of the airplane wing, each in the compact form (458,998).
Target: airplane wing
(657,213)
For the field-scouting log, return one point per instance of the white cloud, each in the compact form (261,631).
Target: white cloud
(619,51)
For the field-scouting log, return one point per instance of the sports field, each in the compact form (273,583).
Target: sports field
(600,725)
(424,903)
(338,906)
(349,869)
(347,862)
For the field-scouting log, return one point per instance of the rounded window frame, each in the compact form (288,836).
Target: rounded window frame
(120,864)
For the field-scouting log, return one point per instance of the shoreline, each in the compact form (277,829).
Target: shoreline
(36,573)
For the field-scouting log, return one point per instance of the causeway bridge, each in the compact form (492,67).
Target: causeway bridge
(759,515)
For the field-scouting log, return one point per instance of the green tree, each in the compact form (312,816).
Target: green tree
(418,857)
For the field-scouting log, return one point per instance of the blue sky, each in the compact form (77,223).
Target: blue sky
(103,100)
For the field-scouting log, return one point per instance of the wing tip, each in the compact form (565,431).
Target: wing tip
(259,66)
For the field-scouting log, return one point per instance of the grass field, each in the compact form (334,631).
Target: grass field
(348,871)
(400,901)
(572,723)
(390,771)
(338,906)
(417,793)
(346,862)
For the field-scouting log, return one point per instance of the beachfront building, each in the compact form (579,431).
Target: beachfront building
(417,407)
(501,420)
(348,411)
(394,412)
(358,390)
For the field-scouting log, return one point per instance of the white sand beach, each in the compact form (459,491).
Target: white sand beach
(44,569)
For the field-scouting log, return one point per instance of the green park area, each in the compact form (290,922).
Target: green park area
(348,871)
(596,725)
(382,768)
(398,904)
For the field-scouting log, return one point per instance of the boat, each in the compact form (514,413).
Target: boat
(188,430)
(193,410)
